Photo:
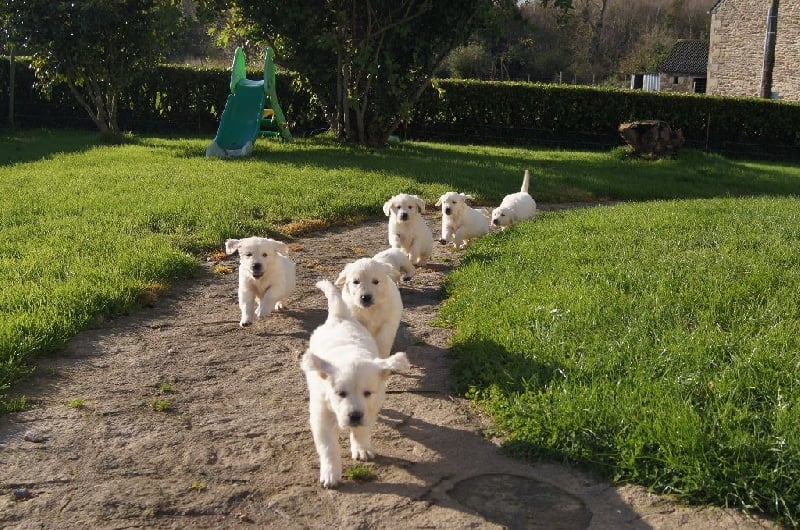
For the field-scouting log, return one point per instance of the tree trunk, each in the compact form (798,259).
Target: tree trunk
(11,85)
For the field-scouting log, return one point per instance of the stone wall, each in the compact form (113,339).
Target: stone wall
(685,82)
(786,74)
(736,48)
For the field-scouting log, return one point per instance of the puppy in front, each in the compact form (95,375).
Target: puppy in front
(266,276)
(407,227)
(516,206)
(397,259)
(373,298)
(460,222)
(346,384)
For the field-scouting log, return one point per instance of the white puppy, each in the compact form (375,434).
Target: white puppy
(266,276)
(346,385)
(515,207)
(460,222)
(374,299)
(407,227)
(397,259)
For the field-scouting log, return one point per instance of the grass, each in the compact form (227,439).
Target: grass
(656,340)
(658,343)
(359,473)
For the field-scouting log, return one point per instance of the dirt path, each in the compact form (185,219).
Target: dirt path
(233,449)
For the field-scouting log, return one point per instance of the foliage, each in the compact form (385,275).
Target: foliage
(367,62)
(475,111)
(663,354)
(96,47)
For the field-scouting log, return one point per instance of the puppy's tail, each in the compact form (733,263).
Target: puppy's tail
(336,306)
(526,181)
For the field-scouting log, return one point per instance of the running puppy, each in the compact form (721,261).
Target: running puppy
(402,268)
(346,385)
(515,207)
(374,300)
(460,222)
(407,228)
(266,276)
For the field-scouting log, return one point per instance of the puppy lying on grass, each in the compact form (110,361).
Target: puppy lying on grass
(266,276)
(346,384)
(515,207)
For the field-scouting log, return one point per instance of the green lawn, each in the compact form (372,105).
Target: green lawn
(657,342)
(654,340)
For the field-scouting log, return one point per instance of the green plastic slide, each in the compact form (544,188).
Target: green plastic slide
(252,110)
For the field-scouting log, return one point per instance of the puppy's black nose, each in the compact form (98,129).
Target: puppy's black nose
(257,266)
(447,211)
(443,241)
(355,417)
(495,221)
(366,299)
(403,216)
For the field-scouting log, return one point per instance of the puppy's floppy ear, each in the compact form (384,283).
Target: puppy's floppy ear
(280,246)
(231,246)
(468,197)
(387,269)
(394,274)
(420,204)
(387,207)
(394,363)
(342,278)
(439,201)
(313,363)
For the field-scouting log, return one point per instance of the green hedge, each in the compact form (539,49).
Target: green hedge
(170,99)
(184,100)
(561,115)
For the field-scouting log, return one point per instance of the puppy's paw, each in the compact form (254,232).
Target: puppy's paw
(279,306)
(263,310)
(406,278)
(245,322)
(443,241)
(329,479)
(362,453)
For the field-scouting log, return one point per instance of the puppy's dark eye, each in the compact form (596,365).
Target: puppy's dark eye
(367,393)
(342,394)
(249,254)
(356,282)
(264,255)
(375,281)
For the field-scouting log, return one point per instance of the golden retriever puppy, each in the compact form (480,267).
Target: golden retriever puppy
(407,227)
(374,299)
(460,222)
(346,385)
(516,206)
(397,259)
(266,276)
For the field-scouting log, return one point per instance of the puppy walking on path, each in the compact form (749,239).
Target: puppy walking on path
(407,227)
(346,385)
(372,296)
(402,268)
(460,222)
(516,206)
(266,276)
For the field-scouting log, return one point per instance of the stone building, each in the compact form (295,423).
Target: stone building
(751,39)
(684,69)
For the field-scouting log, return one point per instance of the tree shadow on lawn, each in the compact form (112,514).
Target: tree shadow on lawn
(29,146)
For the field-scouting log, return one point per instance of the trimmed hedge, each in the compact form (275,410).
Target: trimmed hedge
(170,99)
(187,100)
(525,113)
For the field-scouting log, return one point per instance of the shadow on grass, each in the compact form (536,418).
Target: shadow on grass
(489,174)
(29,146)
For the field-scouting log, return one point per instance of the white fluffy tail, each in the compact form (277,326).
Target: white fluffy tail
(336,306)
(526,181)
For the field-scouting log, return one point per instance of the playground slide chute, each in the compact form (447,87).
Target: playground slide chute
(252,110)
